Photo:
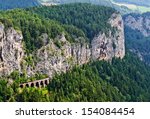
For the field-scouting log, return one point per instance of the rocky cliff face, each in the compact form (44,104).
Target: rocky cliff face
(11,50)
(138,22)
(137,32)
(111,45)
(53,58)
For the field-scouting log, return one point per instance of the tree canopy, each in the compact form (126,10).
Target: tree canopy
(32,27)
(122,80)
(91,19)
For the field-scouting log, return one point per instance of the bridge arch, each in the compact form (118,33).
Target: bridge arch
(42,83)
(37,84)
(21,86)
(27,85)
(32,84)
(46,82)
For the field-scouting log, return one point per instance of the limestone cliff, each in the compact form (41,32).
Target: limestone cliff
(11,50)
(53,58)
(112,45)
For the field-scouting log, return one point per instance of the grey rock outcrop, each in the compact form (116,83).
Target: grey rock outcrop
(53,59)
(11,50)
(140,23)
(112,45)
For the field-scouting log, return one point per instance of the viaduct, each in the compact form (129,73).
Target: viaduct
(37,83)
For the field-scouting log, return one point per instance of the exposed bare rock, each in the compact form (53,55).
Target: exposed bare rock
(139,22)
(11,50)
(111,45)
(53,59)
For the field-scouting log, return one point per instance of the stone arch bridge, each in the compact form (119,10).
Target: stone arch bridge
(37,83)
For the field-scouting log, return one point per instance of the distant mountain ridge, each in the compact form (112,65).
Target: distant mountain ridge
(108,3)
(136,2)
(11,4)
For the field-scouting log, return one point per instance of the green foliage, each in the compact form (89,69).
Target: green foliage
(22,77)
(32,95)
(37,76)
(30,60)
(33,27)
(122,80)
(6,92)
(91,19)
(76,33)
(58,43)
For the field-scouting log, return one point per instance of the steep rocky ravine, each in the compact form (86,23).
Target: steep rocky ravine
(11,50)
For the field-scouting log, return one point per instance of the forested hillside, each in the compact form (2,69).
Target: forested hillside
(126,79)
(11,4)
(32,27)
(121,80)
(108,3)
(90,18)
